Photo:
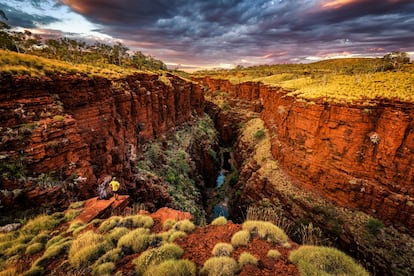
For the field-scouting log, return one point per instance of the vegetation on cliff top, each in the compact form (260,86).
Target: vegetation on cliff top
(343,80)
(12,63)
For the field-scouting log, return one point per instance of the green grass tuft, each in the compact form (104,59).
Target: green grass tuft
(176,235)
(173,268)
(156,256)
(137,240)
(109,224)
(222,249)
(112,255)
(240,238)
(223,266)
(40,223)
(104,269)
(247,258)
(266,230)
(116,234)
(184,225)
(324,261)
(168,224)
(34,271)
(55,250)
(219,221)
(274,254)
(87,247)
(34,248)
(137,221)
(72,213)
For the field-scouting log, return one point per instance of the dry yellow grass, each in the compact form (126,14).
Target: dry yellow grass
(24,64)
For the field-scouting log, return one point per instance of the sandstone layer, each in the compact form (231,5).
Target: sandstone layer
(62,136)
(357,155)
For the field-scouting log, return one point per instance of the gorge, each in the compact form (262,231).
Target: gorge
(338,166)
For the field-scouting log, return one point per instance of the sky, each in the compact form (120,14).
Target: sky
(193,34)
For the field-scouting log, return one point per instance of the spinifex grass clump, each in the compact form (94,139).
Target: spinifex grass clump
(247,258)
(219,221)
(222,249)
(185,226)
(173,267)
(136,241)
(220,266)
(318,260)
(87,247)
(240,238)
(156,256)
(266,230)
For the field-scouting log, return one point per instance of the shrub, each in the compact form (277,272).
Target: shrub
(273,253)
(219,221)
(266,230)
(136,240)
(156,256)
(223,266)
(247,258)
(184,225)
(88,247)
(168,224)
(173,268)
(374,226)
(240,238)
(315,260)
(34,248)
(109,224)
(104,269)
(116,234)
(222,249)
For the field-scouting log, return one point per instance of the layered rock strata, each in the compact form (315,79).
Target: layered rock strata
(357,155)
(79,130)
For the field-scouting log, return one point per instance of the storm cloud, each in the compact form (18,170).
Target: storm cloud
(221,32)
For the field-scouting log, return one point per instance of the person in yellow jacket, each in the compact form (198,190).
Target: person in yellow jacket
(115,187)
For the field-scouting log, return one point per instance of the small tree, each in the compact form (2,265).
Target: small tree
(396,59)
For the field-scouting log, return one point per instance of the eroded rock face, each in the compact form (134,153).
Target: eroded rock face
(80,129)
(356,155)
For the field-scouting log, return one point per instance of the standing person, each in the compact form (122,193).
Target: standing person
(115,187)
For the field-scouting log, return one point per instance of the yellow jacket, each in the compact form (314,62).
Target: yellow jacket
(114,185)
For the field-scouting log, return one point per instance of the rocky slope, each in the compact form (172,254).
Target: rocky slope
(62,136)
(358,155)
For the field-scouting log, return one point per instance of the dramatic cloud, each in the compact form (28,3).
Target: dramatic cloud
(230,32)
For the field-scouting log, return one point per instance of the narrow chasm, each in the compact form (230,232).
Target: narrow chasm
(184,164)
(257,187)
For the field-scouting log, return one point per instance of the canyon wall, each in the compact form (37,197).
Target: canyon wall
(357,155)
(79,130)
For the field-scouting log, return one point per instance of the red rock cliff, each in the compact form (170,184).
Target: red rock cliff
(85,127)
(356,155)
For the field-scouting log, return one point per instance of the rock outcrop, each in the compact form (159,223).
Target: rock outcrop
(357,155)
(77,130)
